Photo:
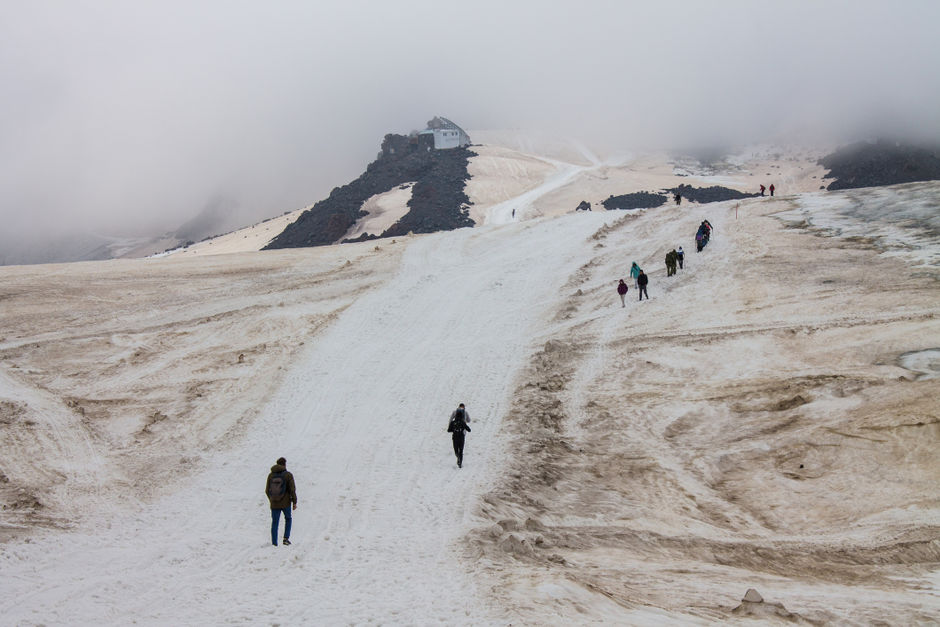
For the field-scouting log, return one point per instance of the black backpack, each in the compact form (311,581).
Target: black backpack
(277,486)
(456,421)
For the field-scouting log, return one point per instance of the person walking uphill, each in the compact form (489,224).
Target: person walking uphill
(457,425)
(680,256)
(622,290)
(282,495)
(642,280)
(635,271)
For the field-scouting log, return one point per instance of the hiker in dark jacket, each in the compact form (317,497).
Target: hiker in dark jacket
(456,426)
(680,256)
(641,281)
(282,495)
(622,290)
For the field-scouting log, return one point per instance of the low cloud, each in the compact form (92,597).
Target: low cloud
(131,117)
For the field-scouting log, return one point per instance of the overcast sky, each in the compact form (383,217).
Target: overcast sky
(135,114)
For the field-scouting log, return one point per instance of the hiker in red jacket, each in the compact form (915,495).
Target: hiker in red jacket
(771,189)
(762,188)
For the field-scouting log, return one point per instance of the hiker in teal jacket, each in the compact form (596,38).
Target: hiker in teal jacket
(635,272)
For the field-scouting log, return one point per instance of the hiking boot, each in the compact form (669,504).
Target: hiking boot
(285,542)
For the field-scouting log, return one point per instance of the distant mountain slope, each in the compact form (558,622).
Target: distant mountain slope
(438,201)
(867,164)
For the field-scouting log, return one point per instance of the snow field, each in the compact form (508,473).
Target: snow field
(361,419)
(673,481)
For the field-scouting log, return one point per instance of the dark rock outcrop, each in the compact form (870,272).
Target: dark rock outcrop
(649,200)
(583,206)
(636,200)
(715,193)
(867,164)
(438,201)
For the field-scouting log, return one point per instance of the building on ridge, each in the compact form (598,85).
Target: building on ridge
(446,134)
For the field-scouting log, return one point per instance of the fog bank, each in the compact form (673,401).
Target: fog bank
(129,118)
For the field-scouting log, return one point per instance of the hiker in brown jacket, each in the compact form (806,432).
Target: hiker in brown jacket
(282,495)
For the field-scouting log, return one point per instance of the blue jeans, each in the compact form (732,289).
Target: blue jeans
(275,519)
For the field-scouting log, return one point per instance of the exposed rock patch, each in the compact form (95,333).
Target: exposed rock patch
(716,193)
(636,200)
(438,201)
(649,200)
(867,164)
(753,605)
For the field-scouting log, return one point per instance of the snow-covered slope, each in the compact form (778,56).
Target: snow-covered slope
(361,419)
(751,425)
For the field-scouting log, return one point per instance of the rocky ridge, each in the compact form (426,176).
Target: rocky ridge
(438,201)
(867,164)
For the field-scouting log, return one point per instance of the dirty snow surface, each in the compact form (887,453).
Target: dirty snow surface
(768,419)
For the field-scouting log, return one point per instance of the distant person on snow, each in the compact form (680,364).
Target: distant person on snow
(642,280)
(762,188)
(622,290)
(771,189)
(282,495)
(635,271)
(678,198)
(680,257)
(457,425)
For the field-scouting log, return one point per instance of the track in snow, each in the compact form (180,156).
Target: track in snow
(361,419)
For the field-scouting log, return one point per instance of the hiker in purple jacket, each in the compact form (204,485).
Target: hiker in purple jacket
(622,290)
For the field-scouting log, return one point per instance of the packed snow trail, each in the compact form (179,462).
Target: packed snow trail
(361,418)
(519,207)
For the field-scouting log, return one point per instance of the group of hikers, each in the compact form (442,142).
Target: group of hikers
(762,189)
(280,488)
(702,236)
(640,281)
(282,492)
(675,260)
